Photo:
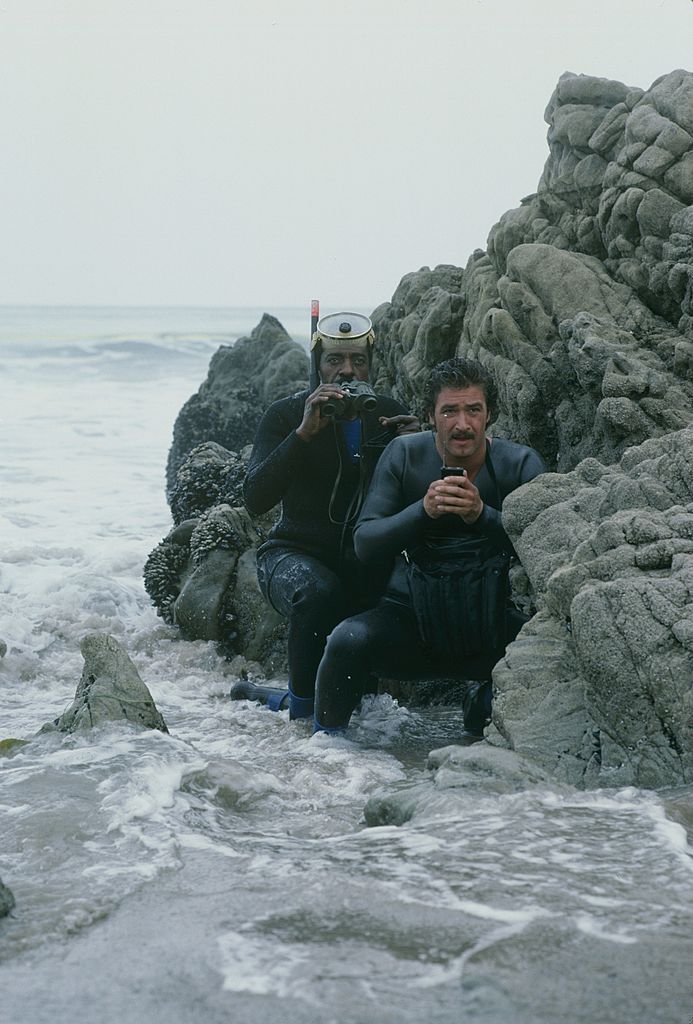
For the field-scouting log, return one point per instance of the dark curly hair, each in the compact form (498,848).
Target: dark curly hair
(460,373)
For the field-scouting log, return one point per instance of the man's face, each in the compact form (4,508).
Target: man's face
(460,418)
(339,365)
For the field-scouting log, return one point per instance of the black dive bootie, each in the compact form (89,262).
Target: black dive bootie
(274,697)
(476,707)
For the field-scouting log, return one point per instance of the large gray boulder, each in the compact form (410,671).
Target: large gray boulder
(110,690)
(201,576)
(598,688)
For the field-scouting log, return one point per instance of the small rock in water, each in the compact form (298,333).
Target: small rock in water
(11,746)
(6,900)
(110,690)
(395,808)
(483,765)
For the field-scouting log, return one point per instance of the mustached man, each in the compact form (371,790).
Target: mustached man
(434,506)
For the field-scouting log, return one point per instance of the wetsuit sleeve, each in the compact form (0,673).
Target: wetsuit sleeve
(277,451)
(386,525)
(490,522)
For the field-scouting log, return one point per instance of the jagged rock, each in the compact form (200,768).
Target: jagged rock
(6,900)
(243,380)
(110,690)
(3,648)
(418,328)
(202,577)
(582,305)
(599,686)
(191,575)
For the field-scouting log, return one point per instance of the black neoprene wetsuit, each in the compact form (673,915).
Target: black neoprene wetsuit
(384,641)
(307,568)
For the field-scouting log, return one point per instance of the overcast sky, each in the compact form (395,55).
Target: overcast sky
(262,152)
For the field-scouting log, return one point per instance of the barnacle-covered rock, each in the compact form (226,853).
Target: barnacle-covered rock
(204,606)
(166,568)
(209,475)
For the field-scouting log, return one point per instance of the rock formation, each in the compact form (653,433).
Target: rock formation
(110,690)
(243,379)
(202,575)
(581,307)
(599,685)
(3,648)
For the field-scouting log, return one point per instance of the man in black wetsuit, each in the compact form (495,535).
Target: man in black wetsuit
(413,507)
(318,466)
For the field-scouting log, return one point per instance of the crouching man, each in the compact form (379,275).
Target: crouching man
(315,453)
(434,505)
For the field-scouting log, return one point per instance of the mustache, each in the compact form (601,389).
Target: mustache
(462,437)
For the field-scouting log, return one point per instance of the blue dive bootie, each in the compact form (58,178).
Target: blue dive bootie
(300,707)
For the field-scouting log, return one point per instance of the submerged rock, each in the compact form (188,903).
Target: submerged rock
(110,690)
(7,901)
(10,746)
(464,770)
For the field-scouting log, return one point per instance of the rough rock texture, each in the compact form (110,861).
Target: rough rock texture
(6,900)
(202,575)
(110,690)
(243,380)
(10,746)
(209,475)
(582,308)
(3,648)
(581,305)
(599,685)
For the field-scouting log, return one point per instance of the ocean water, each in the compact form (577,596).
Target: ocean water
(225,872)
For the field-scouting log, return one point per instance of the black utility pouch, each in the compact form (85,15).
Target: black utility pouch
(460,603)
